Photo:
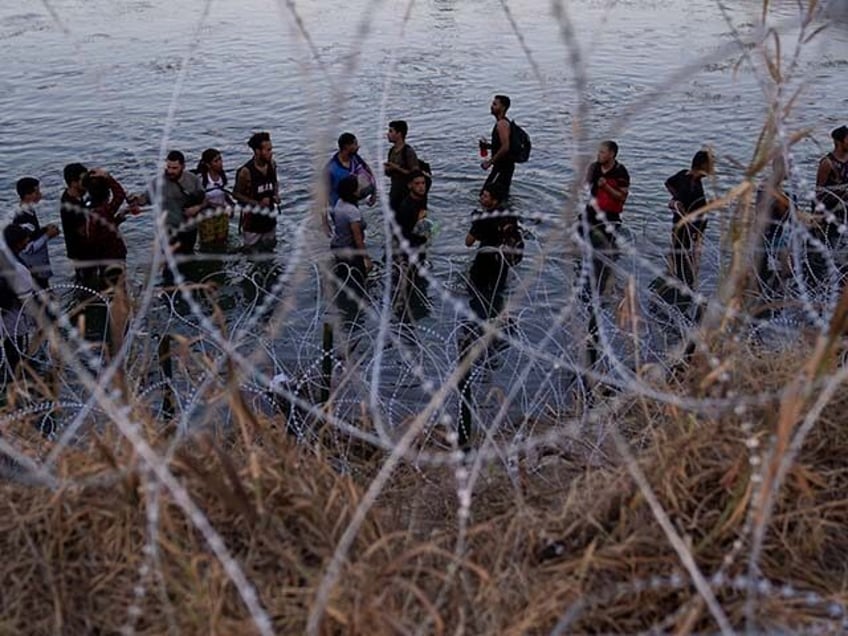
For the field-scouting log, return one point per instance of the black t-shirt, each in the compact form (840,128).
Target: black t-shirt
(408,160)
(73,218)
(618,178)
(486,227)
(688,190)
(407,216)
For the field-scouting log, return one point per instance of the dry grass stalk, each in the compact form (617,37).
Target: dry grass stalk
(590,544)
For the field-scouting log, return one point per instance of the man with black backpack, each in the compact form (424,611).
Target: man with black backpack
(509,145)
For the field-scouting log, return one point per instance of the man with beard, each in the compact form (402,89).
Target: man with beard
(181,197)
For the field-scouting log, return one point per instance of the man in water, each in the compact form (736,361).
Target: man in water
(35,255)
(609,185)
(347,162)
(408,251)
(400,164)
(832,201)
(501,162)
(832,184)
(73,214)
(772,209)
(181,198)
(257,187)
(16,285)
(487,278)
(687,197)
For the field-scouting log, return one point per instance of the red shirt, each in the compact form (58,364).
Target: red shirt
(617,177)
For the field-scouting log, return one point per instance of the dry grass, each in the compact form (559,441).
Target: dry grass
(78,560)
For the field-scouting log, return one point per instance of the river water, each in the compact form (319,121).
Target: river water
(114,83)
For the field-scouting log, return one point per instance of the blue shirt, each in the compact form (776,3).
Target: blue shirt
(358,168)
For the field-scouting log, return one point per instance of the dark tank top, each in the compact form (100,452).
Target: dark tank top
(496,145)
(261,186)
(836,198)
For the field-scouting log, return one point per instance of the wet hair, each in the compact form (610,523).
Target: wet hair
(839,134)
(504,100)
(702,161)
(401,126)
(26,186)
(176,155)
(13,235)
(345,139)
(209,155)
(610,145)
(415,174)
(348,189)
(74,172)
(257,139)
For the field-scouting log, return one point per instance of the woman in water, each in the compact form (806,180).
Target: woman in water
(214,229)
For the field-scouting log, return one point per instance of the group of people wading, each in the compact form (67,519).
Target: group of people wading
(197,207)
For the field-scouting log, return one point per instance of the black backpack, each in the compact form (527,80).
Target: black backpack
(424,167)
(519,143)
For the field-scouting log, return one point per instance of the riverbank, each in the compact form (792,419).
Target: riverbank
(555,533)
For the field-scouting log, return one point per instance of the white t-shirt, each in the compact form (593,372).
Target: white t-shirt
(215,195)
(342,216)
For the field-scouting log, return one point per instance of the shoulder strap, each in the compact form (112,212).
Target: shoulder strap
(182,189)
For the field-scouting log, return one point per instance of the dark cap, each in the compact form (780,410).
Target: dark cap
(839,134)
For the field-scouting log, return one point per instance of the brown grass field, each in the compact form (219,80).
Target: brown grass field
(570,538)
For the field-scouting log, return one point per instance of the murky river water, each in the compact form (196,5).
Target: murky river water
(113,83)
